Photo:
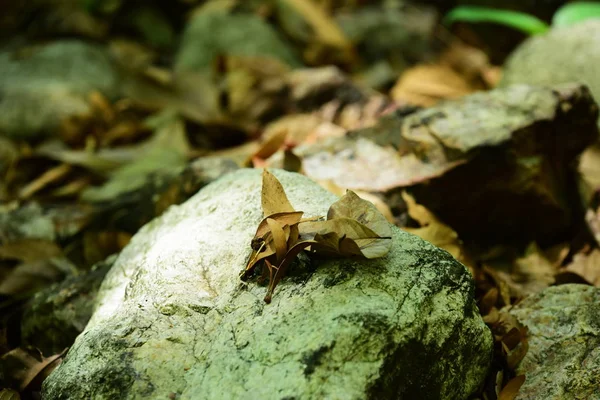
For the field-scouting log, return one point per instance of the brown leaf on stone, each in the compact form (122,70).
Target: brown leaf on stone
(274,199)
(379,204)
(586,266)
(354,227)
(282,268)
(264,244)
(284,218)
(511,390)
(279,239)
(371,244)
(357,164)
(365,212)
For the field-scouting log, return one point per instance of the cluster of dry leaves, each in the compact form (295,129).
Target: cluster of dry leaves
(354,227)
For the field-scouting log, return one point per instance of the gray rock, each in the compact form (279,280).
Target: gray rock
(563,360)
(173,318)
(56,315)
(570,54)
(215,33)
(41,86)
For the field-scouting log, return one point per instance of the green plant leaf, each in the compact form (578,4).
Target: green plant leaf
(514,19)
(573,13)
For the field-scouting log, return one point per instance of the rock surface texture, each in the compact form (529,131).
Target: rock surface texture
(173,318)
(563,360)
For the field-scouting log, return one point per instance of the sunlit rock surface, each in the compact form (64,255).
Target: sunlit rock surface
(173,318)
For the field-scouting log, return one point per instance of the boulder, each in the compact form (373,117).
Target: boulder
(563,360)
(42,86)
(174,320)
(497,166)
(537,61)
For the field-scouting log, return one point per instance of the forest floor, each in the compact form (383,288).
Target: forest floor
(109,114)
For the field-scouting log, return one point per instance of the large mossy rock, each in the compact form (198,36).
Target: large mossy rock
(563,360)
(42,86)
(570,54)
(173,318)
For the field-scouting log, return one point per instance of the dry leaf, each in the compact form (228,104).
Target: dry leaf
(326,29)
(489,301)
(473,64)
(271,145)
(425,85)
(284,218)
(21,366)
(586,266)
(381,205)
(434,231)
(529,274)
(511,390)
(459,71)
(352,206)
(503,288)
(49,177)
(282,234)
(281,269)
(274,199)
(30,277)
(263,245)
(371,245)
(279,239)
(30,250)
(297,127)
(589,173)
